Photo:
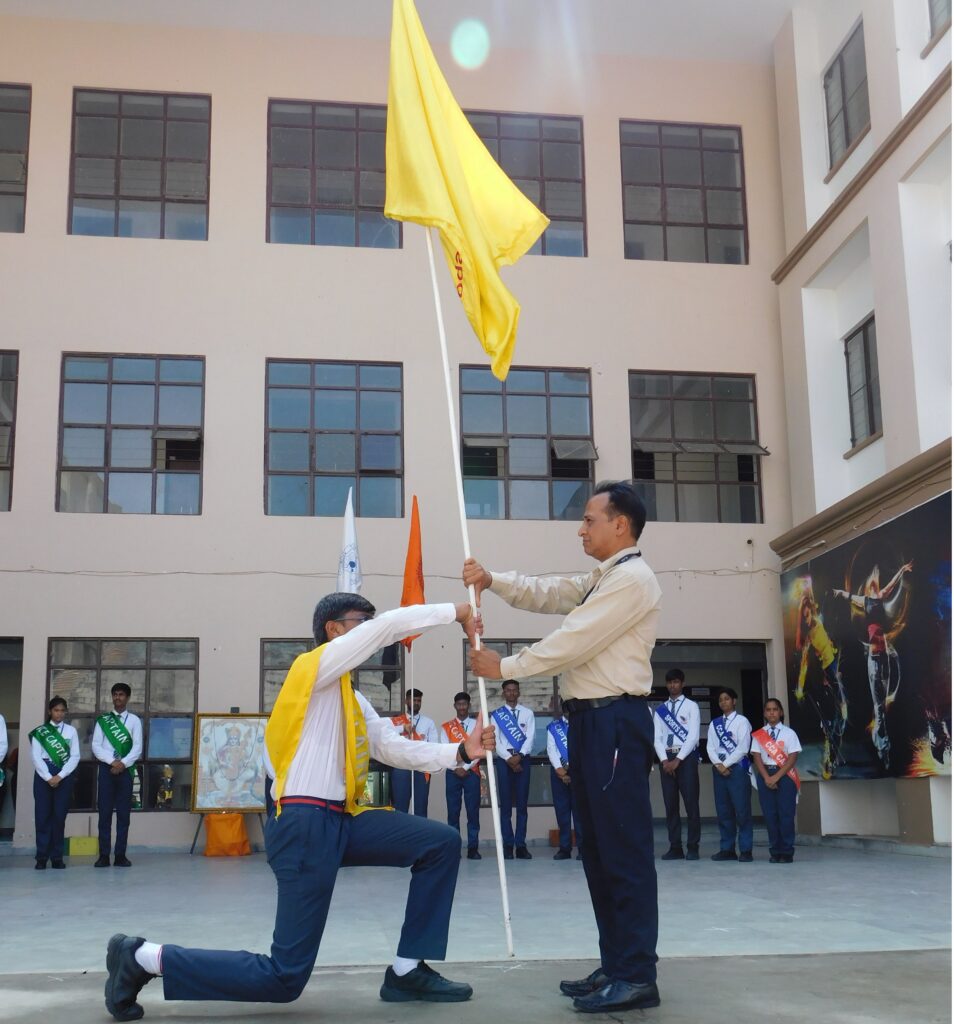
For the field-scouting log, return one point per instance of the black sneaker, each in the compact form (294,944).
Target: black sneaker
(122,862)
(673,853)
(724,855)
(745,857)
(562,855)
(474,854)
(523,853)
(103,862)
(125,977)
(425,984)
(584,986)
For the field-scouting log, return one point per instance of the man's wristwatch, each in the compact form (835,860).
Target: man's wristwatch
(462,752)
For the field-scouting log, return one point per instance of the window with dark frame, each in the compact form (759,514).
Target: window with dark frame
(846,96)
(9,362)
(326,175)
(131,434)
(543,156)
(696,454)
(527,443)
(140,165)
(864,391)
(14,148)
(683,192)
(940,15)
(163,676)
(541,695)
(331,427)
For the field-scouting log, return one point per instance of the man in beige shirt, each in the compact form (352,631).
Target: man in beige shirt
(603,650)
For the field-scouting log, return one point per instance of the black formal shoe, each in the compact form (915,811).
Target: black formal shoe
(103,862)
(508,853)
(474,854)
(57,864)
(618,995)
(562,855)
(787,858)
(745,857)
(40,864)
(122,862)
(724,855)
(692,853)
(523,853)
(775,860)
(579,856)
(673,853)
(125,977)
(584,986)
(425,984)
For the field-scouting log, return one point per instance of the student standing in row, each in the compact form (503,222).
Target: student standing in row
(775,750)
(728,743)
(117,745)
(558,751)
(413,726)
(515,728)
(677,744)
(464,780)
(56,752)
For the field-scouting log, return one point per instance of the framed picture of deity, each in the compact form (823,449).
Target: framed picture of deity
(228,764)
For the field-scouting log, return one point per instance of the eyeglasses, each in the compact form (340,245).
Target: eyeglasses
(354,618)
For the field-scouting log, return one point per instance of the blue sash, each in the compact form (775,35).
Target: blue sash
(507,721)
(675,727)
(726,740)
(558,731)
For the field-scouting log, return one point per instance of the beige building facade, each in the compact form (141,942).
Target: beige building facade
(613,324)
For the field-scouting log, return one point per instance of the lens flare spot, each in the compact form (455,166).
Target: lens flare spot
(470,44)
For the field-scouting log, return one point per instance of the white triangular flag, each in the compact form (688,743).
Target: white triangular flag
(349,564)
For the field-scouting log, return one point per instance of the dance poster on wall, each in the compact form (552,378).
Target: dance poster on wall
(868,651)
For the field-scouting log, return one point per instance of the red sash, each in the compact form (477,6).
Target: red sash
(777,753)
(401,721)
(456,734)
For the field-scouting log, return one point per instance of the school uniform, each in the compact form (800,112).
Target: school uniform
(115,792)
(423,729)
(778,804)
(513,787)
(733,793)
(466,789)
(52,803)
(558,753)
(676,724)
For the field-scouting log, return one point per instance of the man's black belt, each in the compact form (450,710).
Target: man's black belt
(591,703)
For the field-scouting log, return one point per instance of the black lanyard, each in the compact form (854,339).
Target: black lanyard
(625,558)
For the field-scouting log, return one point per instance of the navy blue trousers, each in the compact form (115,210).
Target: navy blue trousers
(401,791)
(563,806)
(778,807)
(113,792)
(733,801)
(611,755)
(467,788)
(50,806)
(684,783)
(513,791)
(305,846)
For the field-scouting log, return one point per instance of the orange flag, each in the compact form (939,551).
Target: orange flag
(413,592)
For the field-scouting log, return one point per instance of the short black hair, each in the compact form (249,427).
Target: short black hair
(58,702)
(463,695)
(729,691)
(624,501)
(334,606)
(415,692)
(676,673)
(122,688)
(510,682)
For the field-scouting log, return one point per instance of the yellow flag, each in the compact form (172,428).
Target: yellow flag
(440,174)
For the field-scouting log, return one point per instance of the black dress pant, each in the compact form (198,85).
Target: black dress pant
(611,755)
(685,783)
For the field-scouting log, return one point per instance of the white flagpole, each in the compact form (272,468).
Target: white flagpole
(455,446)
(410,712)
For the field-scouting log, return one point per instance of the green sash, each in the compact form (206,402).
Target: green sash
(118,735)
(52,742)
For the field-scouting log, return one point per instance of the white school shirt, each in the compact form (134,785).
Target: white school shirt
(467,724)
(104,751)
(784,737)
(740,730)
(39,755)
(687,714)
(553,751)
(423,726)
(317,769)
(3,738)
(527,723)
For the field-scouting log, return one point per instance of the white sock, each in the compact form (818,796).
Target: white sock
(402,965)
(149,957)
